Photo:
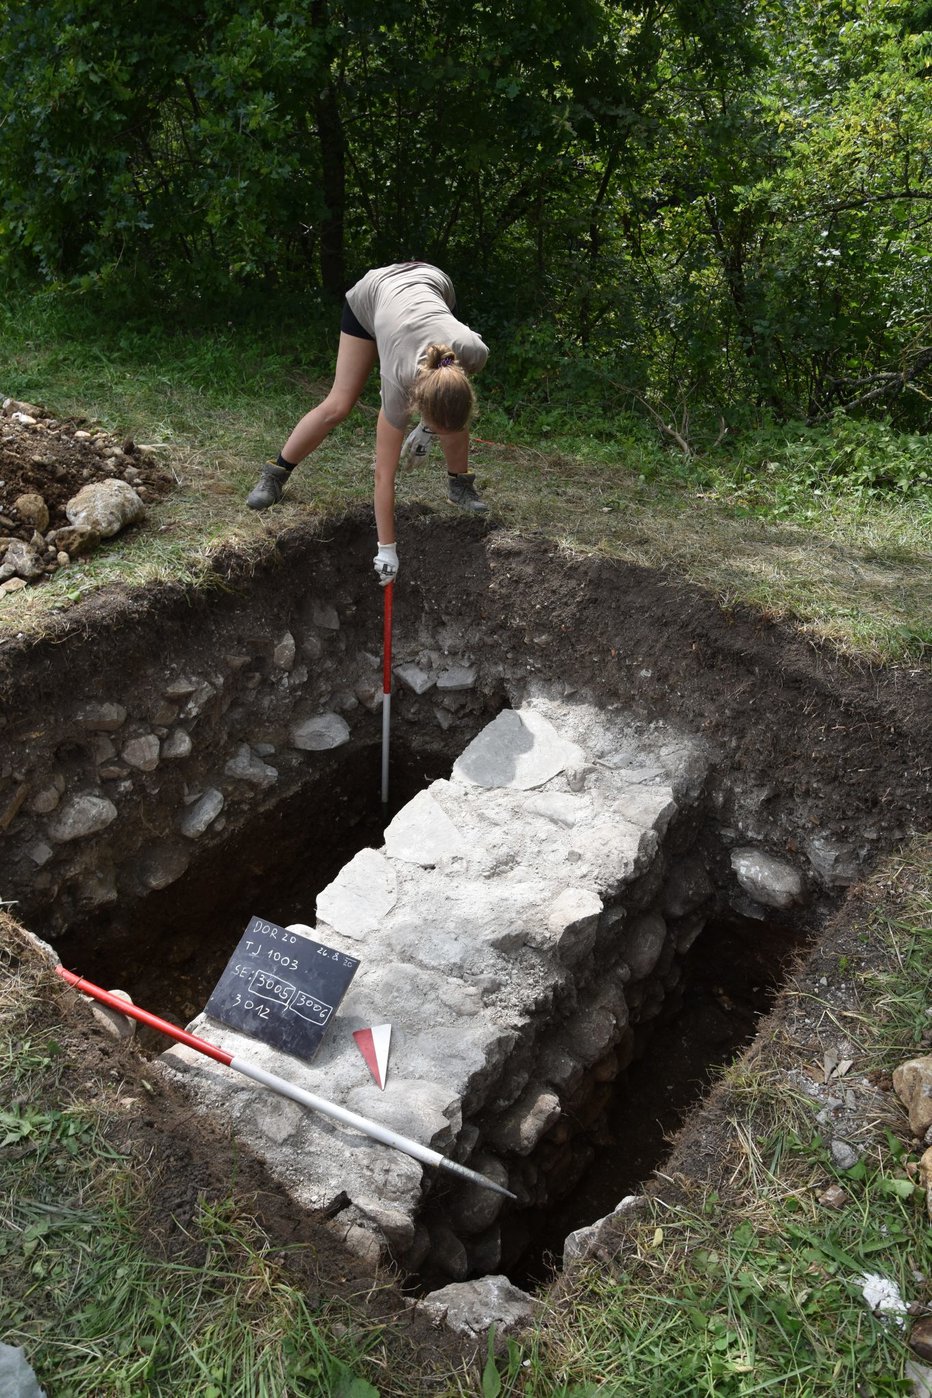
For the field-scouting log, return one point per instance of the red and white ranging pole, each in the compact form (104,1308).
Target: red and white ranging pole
(284,1088)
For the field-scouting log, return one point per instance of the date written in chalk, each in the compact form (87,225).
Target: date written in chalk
(282,987)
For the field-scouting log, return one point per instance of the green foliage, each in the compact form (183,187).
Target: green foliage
(713,204)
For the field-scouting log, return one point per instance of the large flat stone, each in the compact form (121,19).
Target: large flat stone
(422,833)
(361,895)
(521,750)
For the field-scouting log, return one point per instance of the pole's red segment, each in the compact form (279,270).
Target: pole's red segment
(144,1017)
(387,642)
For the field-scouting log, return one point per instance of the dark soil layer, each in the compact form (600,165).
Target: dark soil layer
(47,458)
(832,740)
(814,739)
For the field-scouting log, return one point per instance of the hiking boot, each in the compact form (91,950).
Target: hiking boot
(461,490)
(269,488)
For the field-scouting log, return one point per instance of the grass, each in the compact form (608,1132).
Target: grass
(758,1291)
(746,1287)
(768,522)
(84,1289)
(750,1290)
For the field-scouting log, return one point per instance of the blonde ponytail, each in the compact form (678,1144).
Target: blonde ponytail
(442,393)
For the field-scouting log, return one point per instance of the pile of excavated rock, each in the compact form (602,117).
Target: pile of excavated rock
(63,490)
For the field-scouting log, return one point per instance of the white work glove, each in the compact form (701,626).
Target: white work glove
(386,564)
(417,445)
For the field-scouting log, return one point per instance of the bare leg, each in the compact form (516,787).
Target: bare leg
(355,358)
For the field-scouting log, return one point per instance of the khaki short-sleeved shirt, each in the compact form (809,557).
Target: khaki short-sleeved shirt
(406,307)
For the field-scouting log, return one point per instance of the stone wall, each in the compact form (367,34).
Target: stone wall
(115,783)
(522,923)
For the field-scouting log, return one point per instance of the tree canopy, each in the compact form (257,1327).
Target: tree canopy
(684,203)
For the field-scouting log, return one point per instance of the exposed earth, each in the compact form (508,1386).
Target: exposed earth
(45,462)
(814,730)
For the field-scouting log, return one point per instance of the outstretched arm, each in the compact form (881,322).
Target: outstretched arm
(388,444)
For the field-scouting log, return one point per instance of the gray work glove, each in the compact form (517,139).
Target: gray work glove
(417,445)
(386,564)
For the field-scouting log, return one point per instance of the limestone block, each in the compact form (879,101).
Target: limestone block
(20,560)
(835,863)
(572,923)
(96,889)
(502,913)
(105,506)
(912,1083)
(469,1058)
(39,852)
(324,615)
(473,1209)
(283,654)
(142,752)
(642,944)
(82,815)
(422,833)
(457,677)
(651,807)
(423,1111)
(591,1032)
(182,687)
(685,930)
(472,1308)
(102,718)
(162,864)
(202,814)
(102,748)
(448,1253)
(388,990)
(519,1130)
(519,749)
(369,694)
(688,886)
(414,678)
(74,541)
(773,882)
(246,766)
(274,1117)
(177,744)
(363,1243)
(484,1250)
(119,1026)
(559,1068)
(46,797)
(197,702)
(361,896)
(321,733)
(612,853)
(33,510)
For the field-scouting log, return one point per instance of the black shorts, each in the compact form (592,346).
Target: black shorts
(349,325)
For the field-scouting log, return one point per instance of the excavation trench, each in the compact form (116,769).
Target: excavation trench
(616,817)
(621,1113)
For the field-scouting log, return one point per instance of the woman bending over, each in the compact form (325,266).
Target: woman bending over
(402,315)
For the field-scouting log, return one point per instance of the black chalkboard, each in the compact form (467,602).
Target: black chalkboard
(282,987)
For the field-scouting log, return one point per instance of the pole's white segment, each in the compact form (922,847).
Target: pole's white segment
(363,1124)
(386,726)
